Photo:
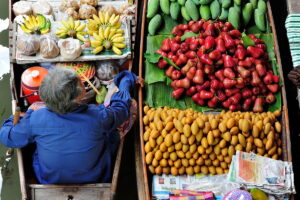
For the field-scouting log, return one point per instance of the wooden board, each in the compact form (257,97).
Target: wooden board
(30,190)
(143,173)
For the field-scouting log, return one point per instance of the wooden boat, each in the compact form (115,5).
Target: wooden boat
(144,177)
(30,188)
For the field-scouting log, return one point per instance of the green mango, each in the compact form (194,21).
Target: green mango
(101,96)
(257,194)
(154,24)
(153,6)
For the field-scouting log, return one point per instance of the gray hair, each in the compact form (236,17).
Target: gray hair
(60,89)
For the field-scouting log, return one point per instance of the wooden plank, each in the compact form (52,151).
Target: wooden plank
(117,169)
(288,156)
(22,175)
(141,73)
(71,193)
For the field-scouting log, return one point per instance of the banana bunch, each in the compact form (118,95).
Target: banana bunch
(71,28)
(104,20)
(38,24)
(108,38)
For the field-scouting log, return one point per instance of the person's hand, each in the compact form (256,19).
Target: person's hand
(140,81)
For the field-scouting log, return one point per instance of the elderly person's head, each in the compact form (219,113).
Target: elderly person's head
(61,90)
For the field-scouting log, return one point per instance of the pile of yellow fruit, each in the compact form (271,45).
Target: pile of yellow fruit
(189,142)
(107,33)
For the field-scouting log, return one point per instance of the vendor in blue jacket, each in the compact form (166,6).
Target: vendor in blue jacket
(75,143)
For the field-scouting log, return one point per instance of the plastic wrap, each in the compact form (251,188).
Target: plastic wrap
(110,9)
(66,4)
(48,47)
(87,11)
(107,70)
(22,8)
(93,3)
(28,44)
(70,48)
(238,194)
(42,7)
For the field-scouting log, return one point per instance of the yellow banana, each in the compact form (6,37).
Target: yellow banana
(106,18)
(25,29)
(80,37)
(71,23)
(115,20)
(117,50)
(112,32)
(81,27)
(97,37)
(119,39)
(121,31)
(120,45)
(60,32)
(97,50)
(118,25)
(66,24)
(101,33)
(101,17)
(45,31)
(63,35)
(106,32)
(28,25)
(77,24)
(96,43)
(97,19)
(32,20)
(112,17)
(116,36)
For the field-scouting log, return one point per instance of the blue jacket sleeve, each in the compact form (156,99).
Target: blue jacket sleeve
(125,80)
(16,136)
(118,111)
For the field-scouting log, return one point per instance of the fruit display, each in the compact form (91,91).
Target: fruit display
(238,13)
(104,20)
(108,38)
(36,24)
(187,142)
(72,29)
(218,65)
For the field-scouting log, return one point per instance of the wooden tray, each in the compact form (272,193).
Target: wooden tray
(144,177)
(129,27)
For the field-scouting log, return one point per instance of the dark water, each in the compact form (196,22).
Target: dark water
(10,186)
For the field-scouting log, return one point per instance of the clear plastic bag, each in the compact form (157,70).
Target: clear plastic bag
(66,4)
(42,7)
(93,3)
(238,194)
(28,44)
(70,48)
(48,47)
(107,69)
(86,11)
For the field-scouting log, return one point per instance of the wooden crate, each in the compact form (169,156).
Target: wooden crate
(144,177)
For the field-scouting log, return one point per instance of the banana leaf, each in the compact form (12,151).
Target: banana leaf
(159,94)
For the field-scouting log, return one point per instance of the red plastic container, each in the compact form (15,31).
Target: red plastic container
(31,80)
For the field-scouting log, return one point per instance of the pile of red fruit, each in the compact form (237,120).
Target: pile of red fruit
(216,68)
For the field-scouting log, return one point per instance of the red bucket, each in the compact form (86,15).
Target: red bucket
(31,80)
